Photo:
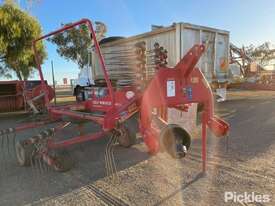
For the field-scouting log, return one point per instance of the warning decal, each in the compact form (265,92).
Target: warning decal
(171,88)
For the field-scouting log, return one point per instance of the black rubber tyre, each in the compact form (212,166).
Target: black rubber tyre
(79,93)
(128,132)
(110,39)
(80,97)
(63,161)
(24,153)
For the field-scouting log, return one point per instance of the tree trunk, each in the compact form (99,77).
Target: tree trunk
(18,74)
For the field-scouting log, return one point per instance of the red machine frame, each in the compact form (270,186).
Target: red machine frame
(108,105)
(190,87)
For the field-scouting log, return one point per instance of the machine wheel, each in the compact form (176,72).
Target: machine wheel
(63,161)
(128,132)
(79,94)
(24,153)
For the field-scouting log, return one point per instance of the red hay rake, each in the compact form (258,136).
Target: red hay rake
(123,112)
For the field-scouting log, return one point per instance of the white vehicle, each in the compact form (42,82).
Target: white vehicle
(84,81)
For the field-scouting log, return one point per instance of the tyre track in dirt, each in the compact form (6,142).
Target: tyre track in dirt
(106,197)
(242,171)
(87,195)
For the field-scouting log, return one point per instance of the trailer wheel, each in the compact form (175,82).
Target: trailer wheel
(128,132)
(24,153)
(79,94)
(62,161)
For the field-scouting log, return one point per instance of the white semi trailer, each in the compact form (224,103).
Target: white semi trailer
(176,39)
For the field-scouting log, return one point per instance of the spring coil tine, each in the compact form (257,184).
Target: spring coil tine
(39,165)
(32,160)
(36,163)
(106,158)
(44,165)
(110,157)
(3,152)
(110,163)
(8,143)
(14,141)
(7,138)
(114,173)
(34,166)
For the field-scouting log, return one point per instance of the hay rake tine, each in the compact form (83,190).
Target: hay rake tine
(2,153)
(14,141)
(39,169)
(45,165)
(32,161)
(3,148)
(107,159)
(112,149)
(8,144)
(114,172)
(110,157)
(41,164)
(39,160)
(34,166)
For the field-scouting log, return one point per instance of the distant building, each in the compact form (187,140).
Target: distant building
(270,65)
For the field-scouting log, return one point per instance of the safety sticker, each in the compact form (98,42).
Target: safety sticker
(171,88)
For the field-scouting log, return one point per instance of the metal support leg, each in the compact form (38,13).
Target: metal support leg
(204,130)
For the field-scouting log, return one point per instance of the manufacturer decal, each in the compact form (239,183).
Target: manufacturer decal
(107,103)
(130,94)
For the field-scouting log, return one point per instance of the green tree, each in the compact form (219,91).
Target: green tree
(17,31)
(262,54)
(73,44)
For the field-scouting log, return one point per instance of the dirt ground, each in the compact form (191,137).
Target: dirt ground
(246,165)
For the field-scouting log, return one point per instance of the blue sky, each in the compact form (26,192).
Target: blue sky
(249,21)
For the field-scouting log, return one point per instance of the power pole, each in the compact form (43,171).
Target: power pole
(53,82)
